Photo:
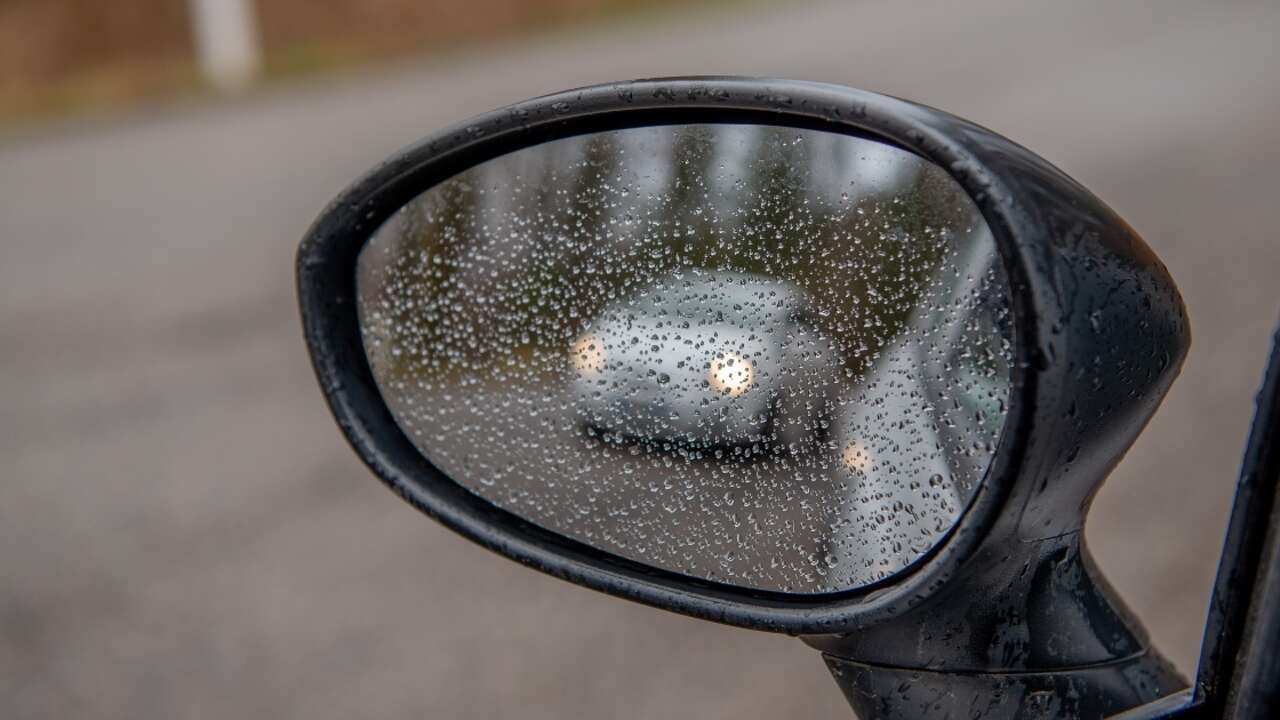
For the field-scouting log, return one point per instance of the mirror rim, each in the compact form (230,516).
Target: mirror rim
(326,276)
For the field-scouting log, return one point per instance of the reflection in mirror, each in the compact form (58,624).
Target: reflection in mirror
(764,356)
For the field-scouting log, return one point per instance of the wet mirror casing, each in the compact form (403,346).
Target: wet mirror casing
(472,308)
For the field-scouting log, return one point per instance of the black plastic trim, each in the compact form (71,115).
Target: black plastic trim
(1012,188)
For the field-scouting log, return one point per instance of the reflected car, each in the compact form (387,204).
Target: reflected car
(710,359)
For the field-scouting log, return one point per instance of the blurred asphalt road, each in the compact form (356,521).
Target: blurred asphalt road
(183,533)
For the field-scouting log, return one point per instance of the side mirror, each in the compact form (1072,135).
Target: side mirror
(781,355)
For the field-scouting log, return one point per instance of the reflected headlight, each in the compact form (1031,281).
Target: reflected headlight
(856,457)
(731,374)
(587,354)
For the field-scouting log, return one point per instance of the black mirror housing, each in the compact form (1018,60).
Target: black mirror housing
(1100,332)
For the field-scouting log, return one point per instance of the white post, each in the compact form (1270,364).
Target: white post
(226,39)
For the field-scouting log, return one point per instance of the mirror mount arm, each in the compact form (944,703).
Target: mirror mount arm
(889,693)
(1031,627)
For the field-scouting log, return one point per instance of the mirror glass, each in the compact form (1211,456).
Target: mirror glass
(770,357)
